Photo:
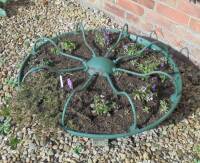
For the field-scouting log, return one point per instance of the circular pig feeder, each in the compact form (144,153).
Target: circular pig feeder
(107,67)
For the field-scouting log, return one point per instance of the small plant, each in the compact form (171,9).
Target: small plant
(132,49)
(148,66)
(146,109)
(14,141)
(101,107)
(78,149)
(5,112)
(143,94)
(163,106)
(47,62)
(55,51)
(5,126)
(103,38)
(11,82)
(68,46)
(2,11)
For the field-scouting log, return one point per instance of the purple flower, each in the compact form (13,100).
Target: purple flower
(69,83)
(154,87)
(162,65)
(106,36)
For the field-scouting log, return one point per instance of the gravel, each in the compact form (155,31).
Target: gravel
(176,140)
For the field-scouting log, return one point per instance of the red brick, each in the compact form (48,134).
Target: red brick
(169,37)
(173,14)
(142,25)
(195,24)
(114,10)
(147,3)
(169,2)
(159,20)
(187,35)
(132,18)
(189,8)
(131,6)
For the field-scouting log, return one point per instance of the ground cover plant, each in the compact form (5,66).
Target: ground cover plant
(97,109)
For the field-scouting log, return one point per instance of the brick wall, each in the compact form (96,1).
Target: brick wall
(176,22)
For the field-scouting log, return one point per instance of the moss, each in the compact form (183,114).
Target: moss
(39,99)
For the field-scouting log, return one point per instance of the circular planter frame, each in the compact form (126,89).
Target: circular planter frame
(106,67)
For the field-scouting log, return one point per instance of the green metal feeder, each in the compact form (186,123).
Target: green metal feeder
(106,67)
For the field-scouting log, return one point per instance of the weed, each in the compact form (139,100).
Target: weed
(5,126)
(40,97)
(78,149)
(14,141)
(11,82)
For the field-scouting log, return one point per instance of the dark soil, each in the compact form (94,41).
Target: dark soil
(81,115)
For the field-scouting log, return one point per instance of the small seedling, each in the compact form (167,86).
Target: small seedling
(68,46)
(47,62)
(55,51)
(163,106)
(5,126)
(78,149)
(14,141)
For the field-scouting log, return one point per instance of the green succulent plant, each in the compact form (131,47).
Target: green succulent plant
(2,11)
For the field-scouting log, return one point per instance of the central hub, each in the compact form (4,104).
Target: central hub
(100,65)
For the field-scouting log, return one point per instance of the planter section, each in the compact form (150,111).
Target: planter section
(116,84)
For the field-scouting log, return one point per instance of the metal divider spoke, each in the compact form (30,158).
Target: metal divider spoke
(50,69)
(79,89)
(44,40)
(124,30)
(80,26)
(148,74)
(123,93)
(136,55)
